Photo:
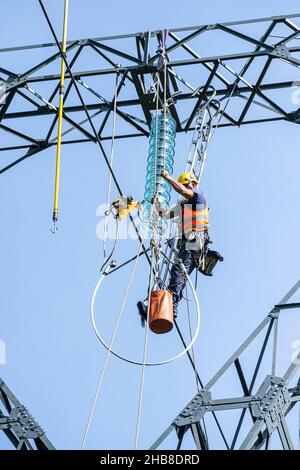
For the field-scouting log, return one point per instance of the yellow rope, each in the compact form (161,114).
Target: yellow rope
(60,114)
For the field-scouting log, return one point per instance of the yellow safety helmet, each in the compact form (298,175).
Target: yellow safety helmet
(187,178)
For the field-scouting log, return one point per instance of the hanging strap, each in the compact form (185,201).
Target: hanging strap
(161,51)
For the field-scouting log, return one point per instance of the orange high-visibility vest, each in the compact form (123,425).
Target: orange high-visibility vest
(195,218)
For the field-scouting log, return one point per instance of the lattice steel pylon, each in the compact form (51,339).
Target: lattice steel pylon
(268,404)
(227,72)
(236,70)
(19,425)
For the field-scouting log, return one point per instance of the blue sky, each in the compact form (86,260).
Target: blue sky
(251,180)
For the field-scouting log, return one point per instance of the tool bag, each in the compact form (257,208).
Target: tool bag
(161,311)
(211,258)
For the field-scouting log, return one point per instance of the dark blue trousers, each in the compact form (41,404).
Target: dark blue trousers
(178,280)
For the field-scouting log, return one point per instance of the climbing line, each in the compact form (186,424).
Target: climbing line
(154,235)
(108,197)
(106,260)
(144,355)
(109,348)
(191,335)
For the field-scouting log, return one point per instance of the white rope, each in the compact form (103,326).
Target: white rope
(190,331)
(144,357)
(154,236)
(109,348)
(112,149)
(136,362)
(299,429)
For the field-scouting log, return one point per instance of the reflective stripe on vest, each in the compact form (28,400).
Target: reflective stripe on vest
(195,220)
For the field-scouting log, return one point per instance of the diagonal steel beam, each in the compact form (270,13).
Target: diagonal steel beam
(119,88)
(31,151)
(78,52)
(290,24)
(132,122)
(255,89)
(284,435)
(197,56)
(141,92)
(238,352)
(272,103)
(262,40)
(21,135)
(235,437)
(56,89)
(43,64)
(7,104)
(115,51)
(288,38)
(162,437)
(186,39)
(164,81)
(202,95)
(247,38)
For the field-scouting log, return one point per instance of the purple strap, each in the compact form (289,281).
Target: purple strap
(163,41)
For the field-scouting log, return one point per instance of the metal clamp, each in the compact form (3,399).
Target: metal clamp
(23,424)
(193,412)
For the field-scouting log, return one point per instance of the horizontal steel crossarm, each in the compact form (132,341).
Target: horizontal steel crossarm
(142,69)
(288,306)
(195,412)
(280,18)
(44,110)
(115,51)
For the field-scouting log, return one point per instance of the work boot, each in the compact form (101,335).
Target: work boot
(143,309)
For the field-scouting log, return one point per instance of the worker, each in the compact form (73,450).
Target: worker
(193,214)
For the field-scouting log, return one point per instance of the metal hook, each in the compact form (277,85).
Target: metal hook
(54,229)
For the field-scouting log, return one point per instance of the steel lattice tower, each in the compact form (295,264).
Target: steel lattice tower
(19,426)
(268,402)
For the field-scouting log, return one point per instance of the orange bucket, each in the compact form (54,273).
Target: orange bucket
(161,311)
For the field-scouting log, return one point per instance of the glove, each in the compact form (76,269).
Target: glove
(164,173)
(154,200)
